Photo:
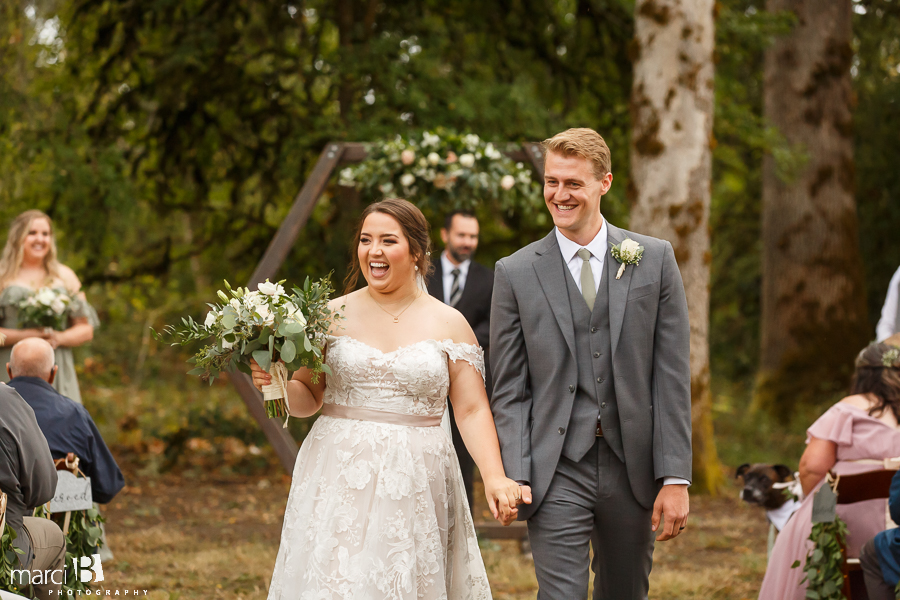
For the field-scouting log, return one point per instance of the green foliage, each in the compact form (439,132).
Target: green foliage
(9,560)
(824,578)
(263,325)
(82,539)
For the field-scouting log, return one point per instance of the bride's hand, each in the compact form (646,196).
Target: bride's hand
(260,377)
(503,494)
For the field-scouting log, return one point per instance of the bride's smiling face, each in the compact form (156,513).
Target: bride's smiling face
(383,252)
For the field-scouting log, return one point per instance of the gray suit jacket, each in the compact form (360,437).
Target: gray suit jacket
(533,364)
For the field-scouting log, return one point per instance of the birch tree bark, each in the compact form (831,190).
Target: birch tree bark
(671,169)
(813,296)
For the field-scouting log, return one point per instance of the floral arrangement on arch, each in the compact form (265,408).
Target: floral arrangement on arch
(442,170)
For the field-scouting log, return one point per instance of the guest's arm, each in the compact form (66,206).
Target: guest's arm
(818,458)
(9,337)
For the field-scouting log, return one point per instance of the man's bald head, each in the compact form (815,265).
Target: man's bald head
(32,357)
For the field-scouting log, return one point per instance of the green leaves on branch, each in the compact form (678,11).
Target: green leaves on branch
(824,578)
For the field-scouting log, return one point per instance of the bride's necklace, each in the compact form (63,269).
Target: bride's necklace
(397,316)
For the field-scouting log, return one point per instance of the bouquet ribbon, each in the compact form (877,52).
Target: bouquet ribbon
(277,390)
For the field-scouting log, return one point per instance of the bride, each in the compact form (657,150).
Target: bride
(377,507)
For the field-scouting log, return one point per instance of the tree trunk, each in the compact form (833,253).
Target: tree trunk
(813,303)
(671,169)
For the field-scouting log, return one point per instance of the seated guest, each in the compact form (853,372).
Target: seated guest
(880,557)
(864,425)
(67,425)
(28,478)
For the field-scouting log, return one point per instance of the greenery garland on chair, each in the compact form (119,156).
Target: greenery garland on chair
(442,170)
(82,539)
(9,560)
(823,565)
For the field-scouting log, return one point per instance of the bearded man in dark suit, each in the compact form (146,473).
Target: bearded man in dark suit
(467,286)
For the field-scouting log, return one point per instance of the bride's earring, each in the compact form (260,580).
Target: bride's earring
(417,267)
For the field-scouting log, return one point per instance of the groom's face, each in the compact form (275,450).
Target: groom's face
(572,195)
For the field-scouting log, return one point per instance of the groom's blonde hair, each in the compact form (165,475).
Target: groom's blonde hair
(583,142)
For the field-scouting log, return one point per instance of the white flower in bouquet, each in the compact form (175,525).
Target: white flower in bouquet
(507,182)
(270,289)
(434,158)
(407,179)
(45,296)
(467,160)
(281,331)
(407,157)
(58,306)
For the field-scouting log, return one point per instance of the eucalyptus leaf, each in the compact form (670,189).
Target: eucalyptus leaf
(263,358)
(288,351)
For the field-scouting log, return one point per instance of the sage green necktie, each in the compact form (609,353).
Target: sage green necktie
(588,288)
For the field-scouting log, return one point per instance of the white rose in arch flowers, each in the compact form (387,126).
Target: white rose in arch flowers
(467,160)
(407,179)
(507,182)
(434,158)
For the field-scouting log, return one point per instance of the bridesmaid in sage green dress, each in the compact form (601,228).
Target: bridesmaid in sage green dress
(27,264)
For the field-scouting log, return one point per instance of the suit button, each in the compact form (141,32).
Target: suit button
(571,388)
(599,380)
(593,330)
(603,405)
(596,355)
(561,430)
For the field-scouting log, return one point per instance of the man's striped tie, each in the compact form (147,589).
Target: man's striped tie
(455,290)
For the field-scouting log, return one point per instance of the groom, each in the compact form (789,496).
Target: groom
(592,398)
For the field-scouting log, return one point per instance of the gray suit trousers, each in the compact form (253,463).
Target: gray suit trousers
(590,503)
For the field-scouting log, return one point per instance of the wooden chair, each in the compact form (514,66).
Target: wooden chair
(850,490)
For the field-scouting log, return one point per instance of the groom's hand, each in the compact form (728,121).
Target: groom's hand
(670,511)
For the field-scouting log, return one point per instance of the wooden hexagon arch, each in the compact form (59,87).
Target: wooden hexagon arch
(334,154)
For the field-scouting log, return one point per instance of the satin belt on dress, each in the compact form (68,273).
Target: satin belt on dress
(379,416)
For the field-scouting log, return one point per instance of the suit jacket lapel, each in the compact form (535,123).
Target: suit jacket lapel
(618,288)
(436,281)
(551,273)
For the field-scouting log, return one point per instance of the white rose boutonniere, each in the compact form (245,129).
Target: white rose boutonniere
(629,252)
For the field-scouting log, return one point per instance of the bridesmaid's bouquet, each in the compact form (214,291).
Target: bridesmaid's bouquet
(46,308)
(266,325)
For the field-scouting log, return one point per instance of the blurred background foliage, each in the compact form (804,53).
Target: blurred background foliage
(167,139)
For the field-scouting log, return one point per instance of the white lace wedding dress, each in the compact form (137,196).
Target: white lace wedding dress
(377,508)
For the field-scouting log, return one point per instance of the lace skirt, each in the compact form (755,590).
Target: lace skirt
(375,512)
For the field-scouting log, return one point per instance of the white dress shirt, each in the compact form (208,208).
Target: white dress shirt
(598,248)
(447,267)
(887,324)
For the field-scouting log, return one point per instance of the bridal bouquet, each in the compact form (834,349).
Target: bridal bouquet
(45,308)
(266,325)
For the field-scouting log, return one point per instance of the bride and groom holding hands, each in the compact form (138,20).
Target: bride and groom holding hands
(587,436)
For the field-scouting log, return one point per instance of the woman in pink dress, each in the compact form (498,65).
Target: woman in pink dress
(860,429)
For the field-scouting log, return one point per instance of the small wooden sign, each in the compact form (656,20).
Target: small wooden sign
(72,493)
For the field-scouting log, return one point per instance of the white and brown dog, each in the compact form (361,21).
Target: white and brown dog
(773,487)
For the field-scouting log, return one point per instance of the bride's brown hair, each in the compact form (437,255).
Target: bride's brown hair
(414,226)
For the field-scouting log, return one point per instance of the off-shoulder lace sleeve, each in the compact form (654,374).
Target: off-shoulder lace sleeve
(471,353)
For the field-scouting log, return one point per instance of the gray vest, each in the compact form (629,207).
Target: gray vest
(595,394)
